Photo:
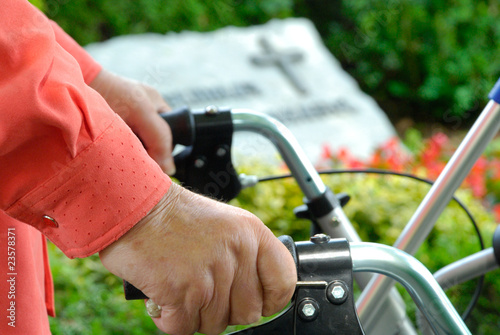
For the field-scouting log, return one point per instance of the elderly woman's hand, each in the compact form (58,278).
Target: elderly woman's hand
(138,105)
(205,263)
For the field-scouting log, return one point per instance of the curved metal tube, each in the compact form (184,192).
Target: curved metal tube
(458,272)
(466,269)
(296,160)
(417,280)
(335,223)
(422,222)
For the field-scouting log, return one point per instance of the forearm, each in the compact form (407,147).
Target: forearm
(63,152)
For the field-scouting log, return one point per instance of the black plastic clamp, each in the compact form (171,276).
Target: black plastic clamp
(205,165)
(496,244)
(323,302)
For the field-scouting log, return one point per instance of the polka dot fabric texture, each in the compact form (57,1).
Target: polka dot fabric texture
(98,197)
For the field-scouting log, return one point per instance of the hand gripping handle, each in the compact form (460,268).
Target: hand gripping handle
(133,293)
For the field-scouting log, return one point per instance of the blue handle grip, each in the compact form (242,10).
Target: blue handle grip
(495,92)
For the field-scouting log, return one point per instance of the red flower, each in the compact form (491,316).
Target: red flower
(434,169)
(348,160)
(390,156)
(476,179)
(433,149)
(483,179)
(494,166)
(376,160)
(496,212)
(326,151)
(440,140)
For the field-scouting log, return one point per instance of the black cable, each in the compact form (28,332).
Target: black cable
(480,281)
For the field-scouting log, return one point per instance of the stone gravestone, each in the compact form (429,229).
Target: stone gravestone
(281,69)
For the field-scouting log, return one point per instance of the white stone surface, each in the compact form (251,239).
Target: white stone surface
(216,68)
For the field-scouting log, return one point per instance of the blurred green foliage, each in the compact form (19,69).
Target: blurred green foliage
(96,20)
(423,59)
(428,60)
(38,3)
(90,300)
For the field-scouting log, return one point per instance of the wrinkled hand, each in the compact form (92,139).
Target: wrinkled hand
(139,105)
(207,264)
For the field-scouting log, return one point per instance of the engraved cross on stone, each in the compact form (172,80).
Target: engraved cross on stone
(284,61)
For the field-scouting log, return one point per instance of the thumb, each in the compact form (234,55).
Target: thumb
(277,273)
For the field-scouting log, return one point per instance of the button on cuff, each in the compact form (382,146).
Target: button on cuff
(50,221)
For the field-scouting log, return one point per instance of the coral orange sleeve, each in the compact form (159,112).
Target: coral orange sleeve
(64,154)
(90,68)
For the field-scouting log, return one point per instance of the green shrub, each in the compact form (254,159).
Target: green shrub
(89,300)
(38,3)
(96,20)
(431,60)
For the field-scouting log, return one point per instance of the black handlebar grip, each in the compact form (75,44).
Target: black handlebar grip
(496,244)
(181,122)
(133,293)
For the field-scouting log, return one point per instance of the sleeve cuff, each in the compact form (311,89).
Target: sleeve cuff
(98,196)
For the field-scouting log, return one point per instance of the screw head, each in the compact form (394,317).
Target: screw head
(320,238)
(221,151)
(308,309)
(337,292)
(199,163)
(211,110)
